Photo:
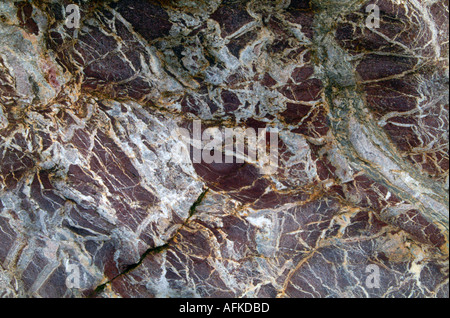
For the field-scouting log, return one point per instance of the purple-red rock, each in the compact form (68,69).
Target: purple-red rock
(100,194)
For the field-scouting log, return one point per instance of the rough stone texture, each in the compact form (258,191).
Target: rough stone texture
(91,184)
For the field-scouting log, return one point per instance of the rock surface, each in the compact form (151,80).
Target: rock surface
(97,201)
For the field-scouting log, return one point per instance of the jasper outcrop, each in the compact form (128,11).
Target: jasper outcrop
(96,201)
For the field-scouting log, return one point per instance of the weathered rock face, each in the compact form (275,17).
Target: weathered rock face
(97,200)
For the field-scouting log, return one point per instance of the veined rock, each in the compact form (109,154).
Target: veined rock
(108,188)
